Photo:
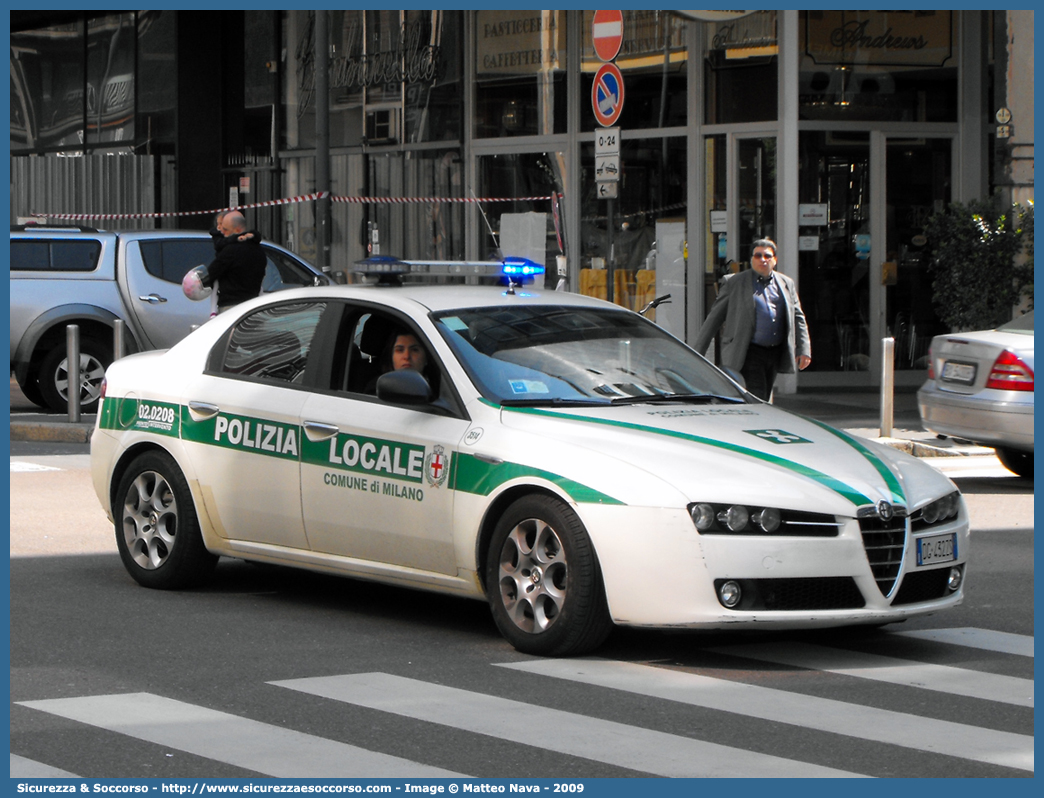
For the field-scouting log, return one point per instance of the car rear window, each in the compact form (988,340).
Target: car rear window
(170,259)
(273,343)
(31,255)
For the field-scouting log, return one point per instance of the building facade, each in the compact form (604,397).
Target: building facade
(656,146)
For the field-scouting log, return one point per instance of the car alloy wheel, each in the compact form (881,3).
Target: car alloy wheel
(54,376)
(543,581)
(157,532)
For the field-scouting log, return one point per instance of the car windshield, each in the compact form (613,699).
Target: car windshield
(571,355)
(1022,324)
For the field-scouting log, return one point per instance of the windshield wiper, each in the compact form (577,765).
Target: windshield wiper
(667,398)
(554,402)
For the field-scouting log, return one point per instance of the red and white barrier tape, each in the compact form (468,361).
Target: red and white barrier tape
(287,201)
(410,200)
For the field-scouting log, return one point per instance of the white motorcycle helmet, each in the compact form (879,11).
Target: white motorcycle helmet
(195,283)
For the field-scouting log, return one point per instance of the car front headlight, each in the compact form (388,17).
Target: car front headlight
(936,512)
(740,519)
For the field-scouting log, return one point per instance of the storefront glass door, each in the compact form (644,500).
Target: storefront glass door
(863,257)
(834,248)
(918,184)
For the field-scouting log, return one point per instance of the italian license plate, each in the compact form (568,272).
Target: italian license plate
(937,548)
(963,373)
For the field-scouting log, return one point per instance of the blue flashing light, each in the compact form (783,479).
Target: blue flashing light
(521,267)
(381,263)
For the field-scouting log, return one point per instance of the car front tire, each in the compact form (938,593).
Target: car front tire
(543,582)
(95,357)
(1016,461)
(157,532)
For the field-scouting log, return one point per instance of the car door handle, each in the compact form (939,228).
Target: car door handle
(201,411)
(153,299)
(317,431)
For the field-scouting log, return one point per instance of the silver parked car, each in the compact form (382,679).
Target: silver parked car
(980,387)
(90,278)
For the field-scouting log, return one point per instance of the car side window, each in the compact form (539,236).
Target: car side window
(55,256)
(170,259)
(284,272)
(273,344)
(365,350)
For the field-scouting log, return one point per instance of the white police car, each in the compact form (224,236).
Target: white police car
(560,457)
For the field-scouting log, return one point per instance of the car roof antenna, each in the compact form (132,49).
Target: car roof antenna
(485,218)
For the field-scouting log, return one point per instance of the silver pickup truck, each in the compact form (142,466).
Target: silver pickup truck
(63,275)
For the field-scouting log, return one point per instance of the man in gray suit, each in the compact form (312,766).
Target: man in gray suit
(764,327)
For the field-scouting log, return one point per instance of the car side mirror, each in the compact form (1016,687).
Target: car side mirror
(404,387)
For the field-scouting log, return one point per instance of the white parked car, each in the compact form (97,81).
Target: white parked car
(980,388)
(557,456)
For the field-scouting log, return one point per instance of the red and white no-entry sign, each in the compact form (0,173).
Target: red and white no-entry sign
(607,95)
(607,33)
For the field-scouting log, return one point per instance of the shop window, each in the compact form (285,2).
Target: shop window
(47,87)
(898,66)
(521,175)
(395,77)
(520,78)
(741,69)
(653,61)
(157,91)
(652,189)
(414,230)
(110,79)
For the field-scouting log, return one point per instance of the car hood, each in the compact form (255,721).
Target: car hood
(736,452)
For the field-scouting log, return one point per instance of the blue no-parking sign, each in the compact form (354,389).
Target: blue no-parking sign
(607,94)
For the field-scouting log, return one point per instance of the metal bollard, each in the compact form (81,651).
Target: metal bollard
(887,386)
(117,339)
(72,371)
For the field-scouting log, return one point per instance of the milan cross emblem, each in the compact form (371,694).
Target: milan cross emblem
(436,466)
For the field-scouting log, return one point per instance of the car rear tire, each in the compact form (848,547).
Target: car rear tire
(1016,461)
(30,389)
(157,532)
(543,582)
(95,357)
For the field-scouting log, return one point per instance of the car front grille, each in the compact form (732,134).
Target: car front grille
(923,586)
(806,593)
(884,542)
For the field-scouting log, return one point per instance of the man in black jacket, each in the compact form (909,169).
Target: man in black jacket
(239,268)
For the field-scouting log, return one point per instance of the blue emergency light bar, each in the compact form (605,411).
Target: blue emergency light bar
(521,267)
(390,270)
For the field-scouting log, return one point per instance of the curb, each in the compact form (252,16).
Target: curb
(921,449)
(51,431)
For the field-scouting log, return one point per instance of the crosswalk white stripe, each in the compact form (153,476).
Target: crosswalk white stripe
(245,743)
(823,714)
(22,768)
(986,639)
(600,740)
(21,467)
(924,676)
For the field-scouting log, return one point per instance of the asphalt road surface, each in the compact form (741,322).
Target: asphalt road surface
(274,672)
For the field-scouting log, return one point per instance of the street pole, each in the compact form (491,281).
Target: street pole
(610,267)
(322,137)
